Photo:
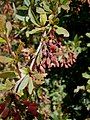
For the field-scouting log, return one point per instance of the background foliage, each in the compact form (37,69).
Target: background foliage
(44,60)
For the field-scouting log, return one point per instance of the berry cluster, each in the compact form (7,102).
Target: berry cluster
(54,54)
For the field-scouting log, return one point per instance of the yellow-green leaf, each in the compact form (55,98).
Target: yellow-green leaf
(40,10)
(61,31)
(4,59)
(8,74)
(36,30)
(21,18)
(2,40)
(88,35)
(7,86)
(43,18)
(23,83)
(30,14)
(30,86)
(8,27)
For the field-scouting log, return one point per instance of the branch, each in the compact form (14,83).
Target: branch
(38,49)
(33,61)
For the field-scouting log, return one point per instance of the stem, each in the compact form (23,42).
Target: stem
(38,49)
(33,61)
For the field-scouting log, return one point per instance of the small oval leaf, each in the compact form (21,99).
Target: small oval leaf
(30,86)
(88,35)
(61,31)
(2,40)
(23,83)
(4,59)
(43,18)
(30,14)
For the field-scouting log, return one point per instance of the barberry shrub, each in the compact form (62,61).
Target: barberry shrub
(43,58)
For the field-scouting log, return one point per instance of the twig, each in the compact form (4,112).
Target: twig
(38,49)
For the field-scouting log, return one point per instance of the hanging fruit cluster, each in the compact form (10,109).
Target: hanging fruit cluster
(54,54)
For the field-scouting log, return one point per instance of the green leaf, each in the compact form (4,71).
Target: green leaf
(23,83)
(88,35)
(30,86)
(4,59)
(46,7)
(88,82)
(21,18)
(85,75)
(7,86)
(2,87)
(61,31)
(36,30)
(9,28)
(2,40)
(8,74)
(30,14)
(43,18)
(27,2)
(65,7)
(14,9)
(24,71)
(22,8)
(40,10)
(88,45)
(63,2)
(88,88)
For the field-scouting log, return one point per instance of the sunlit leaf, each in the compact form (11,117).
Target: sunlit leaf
(8,27)
(88,45)
(30,14)
(2,40)
(2,87)
(21,18)
(43,18)
(88,35)
(85,75)
(27,2)
(63,2)
(23,83)
(66,7)
(22,8)
(8,74)
(4,59)
(7,85)
(88,88)
(61,31)
(36,30)
(30,86)
(40,10)
(46,7)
